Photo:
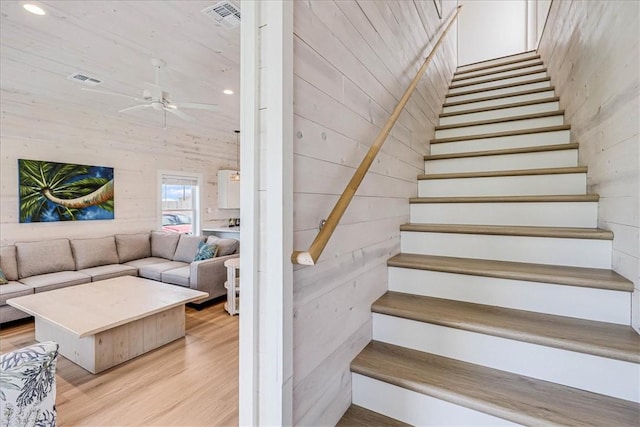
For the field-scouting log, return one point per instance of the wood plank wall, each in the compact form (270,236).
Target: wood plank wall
(44,116)
(137,151)
(352,62)
(591,50)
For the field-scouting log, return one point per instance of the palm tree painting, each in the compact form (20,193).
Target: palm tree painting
(52,191)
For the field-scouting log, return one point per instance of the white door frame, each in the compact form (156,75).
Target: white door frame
(249,204)
(266,212)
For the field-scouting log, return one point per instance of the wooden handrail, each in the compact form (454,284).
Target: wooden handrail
(315,250)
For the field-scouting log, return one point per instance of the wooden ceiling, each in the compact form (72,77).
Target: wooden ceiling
(115,42)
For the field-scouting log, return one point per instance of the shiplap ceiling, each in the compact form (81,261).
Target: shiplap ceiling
(115,41)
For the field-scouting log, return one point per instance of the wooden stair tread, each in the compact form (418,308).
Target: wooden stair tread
(608,340)
(493,97)
(501,120)
(501,107)
(514,172)
(357,416)
(495,79)
(500,134)
(478,65)
(517,398)
(488,73)
(508,199)
(562,275)
(512,230)
(521,150)
(504,86)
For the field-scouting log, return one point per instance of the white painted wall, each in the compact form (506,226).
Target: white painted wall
(493,28)
(490,29)
(352,62)
(537,12)
(592,52)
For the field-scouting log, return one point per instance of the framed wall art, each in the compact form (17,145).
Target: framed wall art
(50,191)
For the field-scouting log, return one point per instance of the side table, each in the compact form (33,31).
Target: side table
(233,286)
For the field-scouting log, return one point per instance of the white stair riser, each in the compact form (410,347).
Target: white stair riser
(496,92)
(525,185)
(571,301)
(496,62)
(502,142)
(507,81)
(513,125)
(537,250)
(496,114)
(415,408)
(542,214)
(500,68)
(584,371)
(542,159)
(497,74)
(499,101)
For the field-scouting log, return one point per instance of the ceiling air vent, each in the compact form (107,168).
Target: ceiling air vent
(77,77)
(226,13)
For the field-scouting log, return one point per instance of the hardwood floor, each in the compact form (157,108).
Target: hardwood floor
(190,382)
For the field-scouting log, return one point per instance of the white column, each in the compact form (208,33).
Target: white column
(249,215)
(267,207)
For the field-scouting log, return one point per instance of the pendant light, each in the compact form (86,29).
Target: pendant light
(236,176)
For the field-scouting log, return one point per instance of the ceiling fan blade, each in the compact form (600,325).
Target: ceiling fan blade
(106,92)
(135,107)
(181,114)
(198,106)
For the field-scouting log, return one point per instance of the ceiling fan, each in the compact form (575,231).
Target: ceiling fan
(153,96)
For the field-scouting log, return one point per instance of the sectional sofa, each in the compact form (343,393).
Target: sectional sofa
(32,267)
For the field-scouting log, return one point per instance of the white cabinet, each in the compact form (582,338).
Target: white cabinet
(228,190)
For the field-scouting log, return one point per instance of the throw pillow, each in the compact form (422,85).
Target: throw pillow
(3,278)
(206,251)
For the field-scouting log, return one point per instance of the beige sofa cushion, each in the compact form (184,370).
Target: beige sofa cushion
(51,281)
(225,246)
(154,271)
(163,244)
(94,252)
(13,290)
(133,246)
(177,276)
(137,263)
(110,271)
(47,256)
(8,263)
(187,248)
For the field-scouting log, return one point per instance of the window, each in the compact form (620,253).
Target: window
(180,202)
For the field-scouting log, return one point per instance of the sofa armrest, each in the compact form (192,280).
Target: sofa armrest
(209,275)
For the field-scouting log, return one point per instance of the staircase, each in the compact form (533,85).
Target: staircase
(502,307)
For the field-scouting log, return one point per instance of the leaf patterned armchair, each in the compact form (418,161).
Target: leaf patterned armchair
(28,386)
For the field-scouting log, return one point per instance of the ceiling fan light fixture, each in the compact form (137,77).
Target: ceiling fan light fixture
(36,10)
(153,96)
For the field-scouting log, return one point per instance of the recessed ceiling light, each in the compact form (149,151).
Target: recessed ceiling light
(227,92)
(36,10)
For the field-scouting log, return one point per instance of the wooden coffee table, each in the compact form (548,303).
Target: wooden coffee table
(105,323)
